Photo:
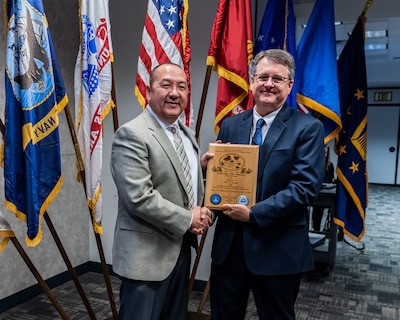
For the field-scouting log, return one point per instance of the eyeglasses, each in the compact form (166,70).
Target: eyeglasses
(263,78)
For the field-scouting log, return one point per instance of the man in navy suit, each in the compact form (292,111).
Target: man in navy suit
(265,248)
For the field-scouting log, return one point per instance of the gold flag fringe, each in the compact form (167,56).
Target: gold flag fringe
(6,234)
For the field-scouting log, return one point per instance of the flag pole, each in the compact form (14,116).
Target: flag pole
(199,249)
(81,169)
(203,101)
(10,234)
(116,126)
(368,4)
(114,98)
(63,253)
(39,278)
(71,269)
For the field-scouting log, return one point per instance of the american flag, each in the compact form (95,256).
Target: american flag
(165,38)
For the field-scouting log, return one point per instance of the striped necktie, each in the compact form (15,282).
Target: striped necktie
(257,137)
(180,150)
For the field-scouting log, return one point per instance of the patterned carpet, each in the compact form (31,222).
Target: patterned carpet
(364,284)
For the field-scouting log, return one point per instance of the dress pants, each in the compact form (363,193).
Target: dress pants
(159,300)
(231,282)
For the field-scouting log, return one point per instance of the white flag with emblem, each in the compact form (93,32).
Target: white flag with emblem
(93,101)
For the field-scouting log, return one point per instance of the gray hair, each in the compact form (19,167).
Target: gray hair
(276,55)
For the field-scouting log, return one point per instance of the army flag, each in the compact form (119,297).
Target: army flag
(93,101)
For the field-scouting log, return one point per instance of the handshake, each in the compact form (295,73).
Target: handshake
(202,218)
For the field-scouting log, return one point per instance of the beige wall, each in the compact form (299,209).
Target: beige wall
(68,212)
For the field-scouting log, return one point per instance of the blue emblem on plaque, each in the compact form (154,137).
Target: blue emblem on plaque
(215,199)
(243,200)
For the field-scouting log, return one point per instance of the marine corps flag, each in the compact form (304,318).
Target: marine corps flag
(230,52)
(316,80)
(352,186)
(93,86)
(35,95)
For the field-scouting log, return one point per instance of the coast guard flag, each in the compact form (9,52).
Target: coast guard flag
(352,187)
(35,95)
(230,52)
(93,85)
(165,38)
(278,31)
(316,82)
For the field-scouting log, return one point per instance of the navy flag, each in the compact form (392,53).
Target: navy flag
(352,187)
(35,95)
(278,31)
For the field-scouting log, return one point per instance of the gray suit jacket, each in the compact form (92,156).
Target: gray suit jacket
(152,200)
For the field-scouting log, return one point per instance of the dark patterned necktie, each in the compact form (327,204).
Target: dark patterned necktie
(180,150)
(257,137)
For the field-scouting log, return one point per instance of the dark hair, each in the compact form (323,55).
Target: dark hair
(151,80)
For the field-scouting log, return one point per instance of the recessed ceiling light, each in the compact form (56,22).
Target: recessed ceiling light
(337,23)
(378,46)
(376,34)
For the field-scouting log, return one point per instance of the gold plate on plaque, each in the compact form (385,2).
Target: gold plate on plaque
(231,175)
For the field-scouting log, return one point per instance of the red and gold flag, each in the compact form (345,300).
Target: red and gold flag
(230,52)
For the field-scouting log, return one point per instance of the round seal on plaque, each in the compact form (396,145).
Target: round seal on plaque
(243,200)
(215,198)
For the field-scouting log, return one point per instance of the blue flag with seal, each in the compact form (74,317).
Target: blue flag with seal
(316,80)
(35,95)
(278,31)
(351,146)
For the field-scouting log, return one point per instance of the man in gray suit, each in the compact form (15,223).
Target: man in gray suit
(159,213)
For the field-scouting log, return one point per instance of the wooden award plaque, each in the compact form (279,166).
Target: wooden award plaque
(231,175)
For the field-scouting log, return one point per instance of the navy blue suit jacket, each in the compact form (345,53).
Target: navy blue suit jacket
(290,174)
